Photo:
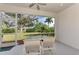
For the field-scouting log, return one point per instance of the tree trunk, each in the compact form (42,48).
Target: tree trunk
(21,29)
(48,24)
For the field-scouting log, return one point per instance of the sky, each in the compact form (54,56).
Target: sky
(43,18)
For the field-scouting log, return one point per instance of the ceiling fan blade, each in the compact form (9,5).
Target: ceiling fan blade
(31,5)
(38,8)
(42,3)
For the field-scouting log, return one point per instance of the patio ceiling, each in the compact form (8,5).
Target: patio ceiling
(50,7)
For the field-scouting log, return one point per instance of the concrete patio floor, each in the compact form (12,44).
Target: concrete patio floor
(61,49)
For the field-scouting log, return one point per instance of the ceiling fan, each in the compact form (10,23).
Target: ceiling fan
(37,5)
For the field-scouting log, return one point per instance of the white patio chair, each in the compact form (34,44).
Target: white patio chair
(32,47)
(48,46)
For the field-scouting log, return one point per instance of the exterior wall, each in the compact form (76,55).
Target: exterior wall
(67,26)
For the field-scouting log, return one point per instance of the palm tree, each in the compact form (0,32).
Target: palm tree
(49,20)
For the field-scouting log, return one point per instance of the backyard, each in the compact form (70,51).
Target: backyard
(17,29)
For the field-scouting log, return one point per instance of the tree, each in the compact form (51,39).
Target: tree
(9,19)
(40,27)
(6,23)
(11,14)
(49,20)
(24,22)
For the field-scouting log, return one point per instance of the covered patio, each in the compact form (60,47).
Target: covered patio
(66,26)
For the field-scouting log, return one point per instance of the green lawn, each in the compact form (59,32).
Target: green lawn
(13,36)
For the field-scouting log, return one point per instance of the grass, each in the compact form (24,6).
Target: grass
(13,36)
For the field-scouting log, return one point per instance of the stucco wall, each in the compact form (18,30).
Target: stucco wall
(67,26)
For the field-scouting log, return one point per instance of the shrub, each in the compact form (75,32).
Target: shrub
(30,30)
(11,30)
(52,29)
